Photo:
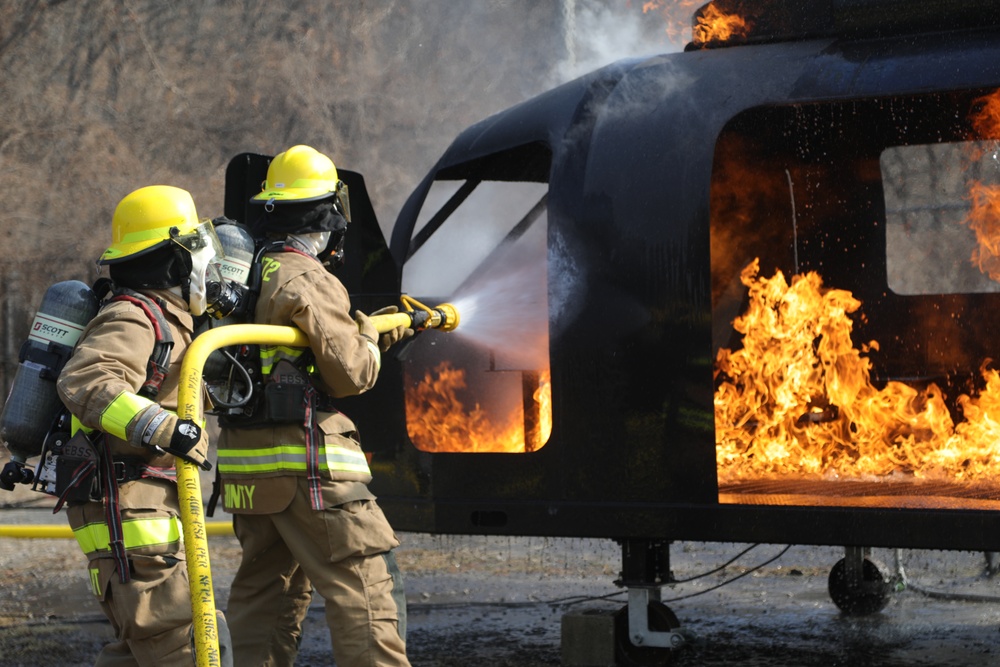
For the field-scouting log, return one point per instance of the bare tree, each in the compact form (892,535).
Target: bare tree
(104,96)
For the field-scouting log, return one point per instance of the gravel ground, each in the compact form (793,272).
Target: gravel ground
(499,601)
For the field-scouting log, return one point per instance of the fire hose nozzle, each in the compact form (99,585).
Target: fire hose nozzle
(418,317)
(445,317)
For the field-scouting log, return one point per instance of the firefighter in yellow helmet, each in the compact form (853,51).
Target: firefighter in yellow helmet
(120,385)
(294,475)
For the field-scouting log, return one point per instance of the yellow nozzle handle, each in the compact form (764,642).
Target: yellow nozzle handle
(418,316)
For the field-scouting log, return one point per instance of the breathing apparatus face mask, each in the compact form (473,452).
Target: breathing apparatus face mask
(206,252)
(313,243)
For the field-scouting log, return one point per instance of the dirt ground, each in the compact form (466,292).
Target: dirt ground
(499,601)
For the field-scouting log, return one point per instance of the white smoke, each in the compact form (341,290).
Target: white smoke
(598,33)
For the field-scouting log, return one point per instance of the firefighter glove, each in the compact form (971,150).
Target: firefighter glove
(157,428)
(365,326)
(393,336)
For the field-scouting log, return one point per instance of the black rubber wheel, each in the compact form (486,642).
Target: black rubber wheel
(853,598)
(661,619)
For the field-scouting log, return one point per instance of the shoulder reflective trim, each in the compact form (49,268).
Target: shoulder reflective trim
(289,458)
(373,348)
(138,533)
(116,417)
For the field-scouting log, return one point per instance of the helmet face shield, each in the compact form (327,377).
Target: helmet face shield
(202,236)
(344,200)
(206,253)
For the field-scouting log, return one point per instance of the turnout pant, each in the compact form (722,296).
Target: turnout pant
(344,553)
(151,614)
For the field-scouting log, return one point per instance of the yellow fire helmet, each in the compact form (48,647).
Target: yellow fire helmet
(301,174)
(148,218)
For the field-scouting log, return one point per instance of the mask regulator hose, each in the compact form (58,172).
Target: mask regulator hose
(418,317)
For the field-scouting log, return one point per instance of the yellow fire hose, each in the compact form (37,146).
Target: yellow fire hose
(418,316)
(206,632)
(63,531)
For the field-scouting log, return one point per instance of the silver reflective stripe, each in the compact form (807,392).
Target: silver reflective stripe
(289,458)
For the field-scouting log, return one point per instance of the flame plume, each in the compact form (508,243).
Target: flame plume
(984,214)
(798,400)
(676,14)
(716,26)
(437,420)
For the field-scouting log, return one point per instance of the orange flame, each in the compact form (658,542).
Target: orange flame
(797,399)
(716,26)
(984,214)
(984,219)
(986,117)
(676,14)
(437,420)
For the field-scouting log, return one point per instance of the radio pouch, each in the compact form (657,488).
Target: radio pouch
(285,394)
(68,470)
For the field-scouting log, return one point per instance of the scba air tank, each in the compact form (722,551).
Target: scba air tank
(33,405)
(239,247)
(230,303)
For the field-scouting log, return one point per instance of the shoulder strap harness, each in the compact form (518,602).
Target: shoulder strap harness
(156,372)
(159,360)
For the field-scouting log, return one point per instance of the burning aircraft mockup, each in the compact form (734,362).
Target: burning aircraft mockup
(749,292)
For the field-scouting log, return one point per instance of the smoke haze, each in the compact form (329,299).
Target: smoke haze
(107,97)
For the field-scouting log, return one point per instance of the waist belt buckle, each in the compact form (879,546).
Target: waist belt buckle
(120,471)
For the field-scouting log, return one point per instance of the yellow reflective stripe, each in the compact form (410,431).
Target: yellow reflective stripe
(137,533)
(346,460)
(310,183)
(158,233)
(95,581)
(116,417)
(75,425)
(289,458)
(272,354)
(266,459)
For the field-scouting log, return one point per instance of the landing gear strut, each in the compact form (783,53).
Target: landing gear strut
(857,583)
(646,630)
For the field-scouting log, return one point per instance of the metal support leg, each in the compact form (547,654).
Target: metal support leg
(645,569)
(854,561)
(638,621)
